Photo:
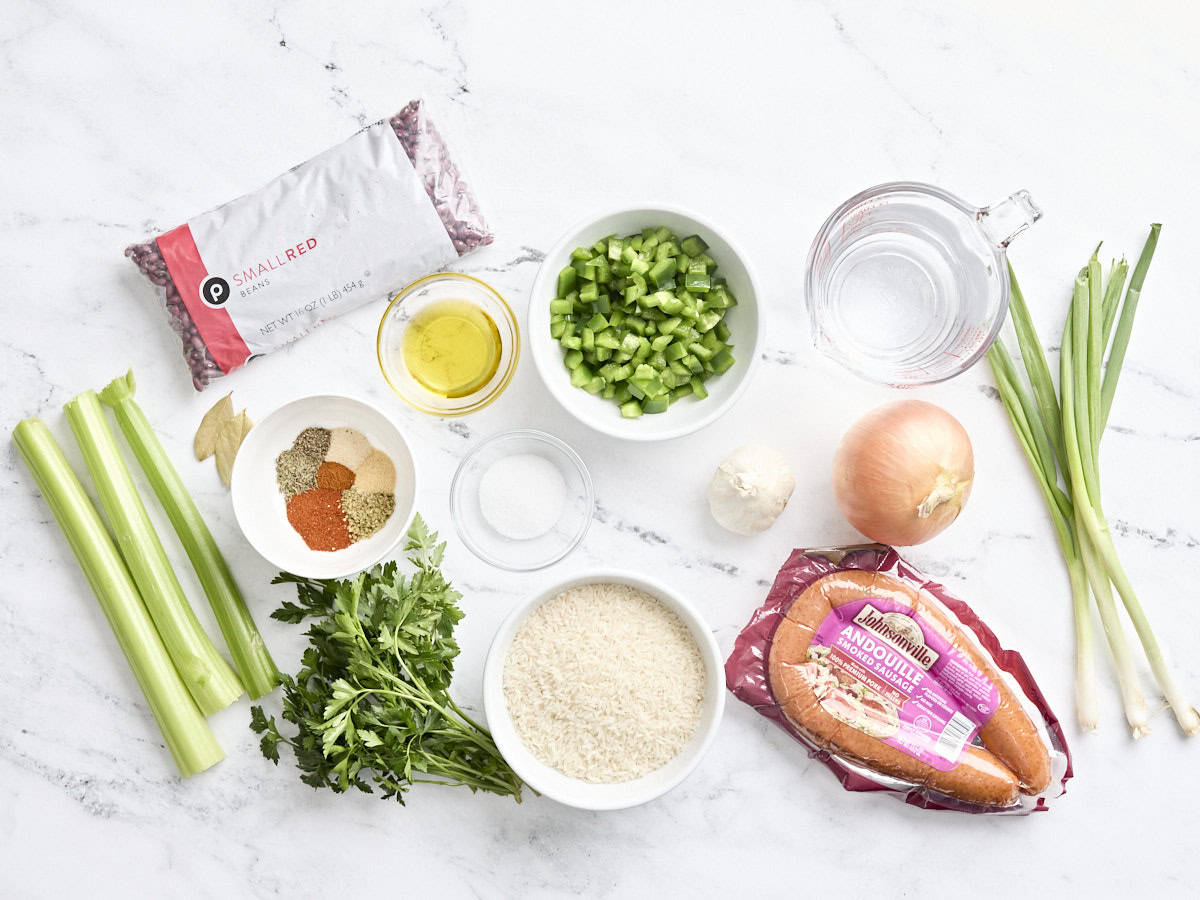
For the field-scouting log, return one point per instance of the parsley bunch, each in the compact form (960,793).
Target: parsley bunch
(371,698)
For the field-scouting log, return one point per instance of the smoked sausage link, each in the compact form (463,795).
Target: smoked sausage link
(978,778)
(1013,758)
(1009,733)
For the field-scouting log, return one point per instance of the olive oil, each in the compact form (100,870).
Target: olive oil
(451,348)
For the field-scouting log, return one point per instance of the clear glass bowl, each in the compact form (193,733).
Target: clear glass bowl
(422,294)
(518,555)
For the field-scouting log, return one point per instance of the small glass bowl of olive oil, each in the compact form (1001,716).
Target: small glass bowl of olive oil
(448,344)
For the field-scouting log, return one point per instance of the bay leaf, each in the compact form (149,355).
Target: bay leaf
(205,442)
(229,439)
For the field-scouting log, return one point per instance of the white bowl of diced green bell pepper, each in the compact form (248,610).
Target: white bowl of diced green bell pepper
(644,322)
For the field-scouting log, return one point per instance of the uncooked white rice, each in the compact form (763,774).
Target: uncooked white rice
(604,683)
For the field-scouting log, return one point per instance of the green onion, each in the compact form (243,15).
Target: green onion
(1112,294)
(1132,699)
(209,679)
(187,735)
(1116,356)
(250,656)
(1066,438)
(1035,364)
(1025,420)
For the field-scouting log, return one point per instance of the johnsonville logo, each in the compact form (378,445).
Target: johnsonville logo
(900,631)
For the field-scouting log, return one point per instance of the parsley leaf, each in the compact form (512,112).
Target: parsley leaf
(371,701)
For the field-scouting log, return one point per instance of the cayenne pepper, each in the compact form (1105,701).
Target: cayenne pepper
(334,476)
(318,518)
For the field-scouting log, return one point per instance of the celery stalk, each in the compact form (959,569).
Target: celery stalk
(250,656)
(209,679)
(187,735)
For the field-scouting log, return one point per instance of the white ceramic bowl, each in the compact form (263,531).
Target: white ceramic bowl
(549,781)
(688,414)
(260,508)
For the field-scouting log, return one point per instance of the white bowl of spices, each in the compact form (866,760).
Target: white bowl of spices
(521,500)
(604,690)
(324,486)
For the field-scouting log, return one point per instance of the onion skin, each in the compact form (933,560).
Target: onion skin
(903,472)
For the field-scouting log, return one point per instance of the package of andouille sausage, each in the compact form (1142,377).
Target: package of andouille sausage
(896,685)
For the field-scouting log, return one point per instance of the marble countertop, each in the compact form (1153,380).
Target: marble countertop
(122,120)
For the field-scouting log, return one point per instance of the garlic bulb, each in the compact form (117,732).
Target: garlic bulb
(750,489)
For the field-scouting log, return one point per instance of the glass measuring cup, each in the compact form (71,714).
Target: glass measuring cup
(908,285)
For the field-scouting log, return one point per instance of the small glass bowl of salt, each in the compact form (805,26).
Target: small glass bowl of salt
(522,500)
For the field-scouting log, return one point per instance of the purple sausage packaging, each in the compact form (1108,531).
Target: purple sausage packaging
(877,669)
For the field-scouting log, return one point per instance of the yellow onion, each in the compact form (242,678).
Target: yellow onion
(903,472)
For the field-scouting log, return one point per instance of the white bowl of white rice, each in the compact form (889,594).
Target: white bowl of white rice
(603,691)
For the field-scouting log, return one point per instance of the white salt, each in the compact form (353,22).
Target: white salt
(522,496)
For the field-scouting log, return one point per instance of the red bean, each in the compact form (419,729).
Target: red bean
(448,191)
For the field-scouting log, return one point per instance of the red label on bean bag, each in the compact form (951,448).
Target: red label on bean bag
(203,295)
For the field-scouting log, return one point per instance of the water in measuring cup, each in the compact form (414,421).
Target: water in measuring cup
(907,286)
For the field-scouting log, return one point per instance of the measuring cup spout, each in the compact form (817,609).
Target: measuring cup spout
(1003,221)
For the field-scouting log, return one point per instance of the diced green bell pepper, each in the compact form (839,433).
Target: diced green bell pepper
(631,409)
(566,281)
(661,271)
(581,375)
(721,362)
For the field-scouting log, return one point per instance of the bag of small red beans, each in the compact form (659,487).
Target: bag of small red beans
(354,224)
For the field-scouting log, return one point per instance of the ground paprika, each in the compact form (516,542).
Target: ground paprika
(318,518)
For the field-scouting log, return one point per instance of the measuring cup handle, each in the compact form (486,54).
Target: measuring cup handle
(1003,221)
